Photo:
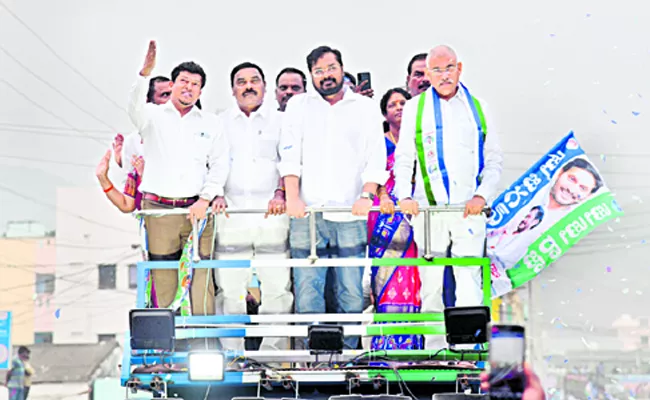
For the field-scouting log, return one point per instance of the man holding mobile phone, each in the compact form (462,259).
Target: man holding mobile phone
(332,153)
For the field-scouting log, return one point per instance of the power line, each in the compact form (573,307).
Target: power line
(40,107)
(32,159)
(48,84)
(50,127)
(75,285)
(37,201)
(76,71)
(54,134)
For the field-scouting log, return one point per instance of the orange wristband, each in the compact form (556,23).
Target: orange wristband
(109,189)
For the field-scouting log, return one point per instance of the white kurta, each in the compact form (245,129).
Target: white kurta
(460,138)
(251,183)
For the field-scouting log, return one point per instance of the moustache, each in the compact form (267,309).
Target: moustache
(324,81)
(250,91)
(424,85)
(287,96)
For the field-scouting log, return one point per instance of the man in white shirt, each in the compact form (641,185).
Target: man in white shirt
(452,136)
(416,78)
(187,166)
(289,82)
(125,148)
(253,131)
(332,153)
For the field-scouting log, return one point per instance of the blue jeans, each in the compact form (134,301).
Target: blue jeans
(333,240)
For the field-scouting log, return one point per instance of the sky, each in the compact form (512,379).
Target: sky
(545,68)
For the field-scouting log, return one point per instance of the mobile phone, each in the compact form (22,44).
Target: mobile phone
(361,77)
(507,352)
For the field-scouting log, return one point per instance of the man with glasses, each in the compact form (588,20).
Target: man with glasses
(451,135)
(332,154)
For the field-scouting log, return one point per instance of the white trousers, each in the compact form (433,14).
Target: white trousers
(467,239)
(253,237)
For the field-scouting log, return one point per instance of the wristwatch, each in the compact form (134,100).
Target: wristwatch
(368,195)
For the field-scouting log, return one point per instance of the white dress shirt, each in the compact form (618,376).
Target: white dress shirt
(459,148)
(253,142)
(185,156)
(334,149)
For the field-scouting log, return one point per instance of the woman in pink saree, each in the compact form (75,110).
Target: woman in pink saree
(394,289)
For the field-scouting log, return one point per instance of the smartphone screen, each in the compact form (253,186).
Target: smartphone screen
(507,350)
(364,77)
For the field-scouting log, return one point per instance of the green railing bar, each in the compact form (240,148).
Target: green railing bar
(425,354)
(426,317)
(405,330)
(421,262)
(423,375)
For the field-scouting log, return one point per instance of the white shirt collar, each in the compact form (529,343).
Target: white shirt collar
(262,112)
(348,95)
(169,106)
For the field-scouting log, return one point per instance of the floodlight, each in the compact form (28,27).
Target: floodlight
(206,366)
(152,329)
(467,325)
(325,339)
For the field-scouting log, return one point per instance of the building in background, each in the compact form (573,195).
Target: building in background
(633,332)
(66,371)
(27,267)
(96,255)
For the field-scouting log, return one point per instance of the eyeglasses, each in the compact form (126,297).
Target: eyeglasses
(320,72)
(448,69)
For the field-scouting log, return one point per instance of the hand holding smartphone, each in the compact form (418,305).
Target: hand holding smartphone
(507,377)
(364,78)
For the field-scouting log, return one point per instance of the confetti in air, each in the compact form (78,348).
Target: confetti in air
(635,113)
(588,15)
(471,232)
(552,35)
(603,157)
(608,269)
(614,122)
(57,313)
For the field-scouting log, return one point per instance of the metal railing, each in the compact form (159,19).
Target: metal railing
(311,214)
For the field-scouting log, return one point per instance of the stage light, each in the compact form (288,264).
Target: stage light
(325,339)
(467,325)
(152,329)
(206,366)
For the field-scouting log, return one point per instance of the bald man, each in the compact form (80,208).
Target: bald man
(451,134)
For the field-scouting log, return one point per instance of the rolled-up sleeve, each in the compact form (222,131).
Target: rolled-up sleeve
(375,157)
(405,151)
(290,148)
(138,109)
(218,163)
(493,159)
